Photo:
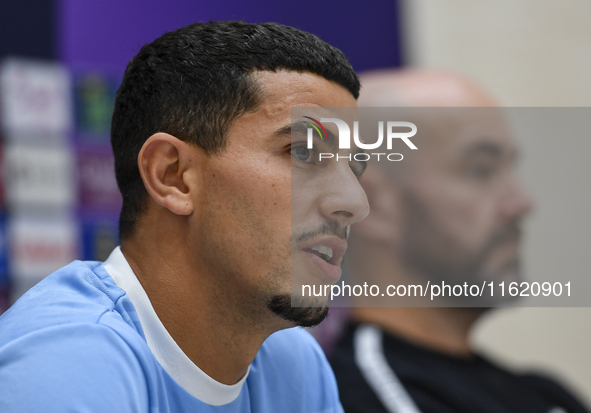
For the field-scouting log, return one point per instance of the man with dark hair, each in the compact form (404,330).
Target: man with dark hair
(179,317)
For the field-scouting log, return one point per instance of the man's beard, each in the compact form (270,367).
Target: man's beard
(295,310)
(299,310)
(437,256)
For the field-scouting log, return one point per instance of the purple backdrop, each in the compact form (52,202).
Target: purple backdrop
(105,34)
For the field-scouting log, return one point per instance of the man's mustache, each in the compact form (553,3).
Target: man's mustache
(328,228)
(511,232)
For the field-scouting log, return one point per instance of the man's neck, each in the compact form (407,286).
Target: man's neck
(445,330)
(202,321)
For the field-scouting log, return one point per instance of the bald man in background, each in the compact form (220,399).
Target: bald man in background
(451,211)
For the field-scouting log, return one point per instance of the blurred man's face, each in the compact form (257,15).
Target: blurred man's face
(255,186)
(463,205)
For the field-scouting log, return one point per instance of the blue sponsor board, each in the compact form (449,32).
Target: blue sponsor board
(94,97)
(97,187)
(4,274)
(4,277)
(99,236)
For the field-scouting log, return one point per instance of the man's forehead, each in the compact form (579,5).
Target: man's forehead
(454,130)
(490,132)
(284,89)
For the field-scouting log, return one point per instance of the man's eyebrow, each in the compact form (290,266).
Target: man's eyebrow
(302,127)
(283,132)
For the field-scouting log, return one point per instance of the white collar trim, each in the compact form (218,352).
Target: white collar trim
(170,356)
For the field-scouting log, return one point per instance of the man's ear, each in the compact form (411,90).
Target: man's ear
(165,163)
(384,219)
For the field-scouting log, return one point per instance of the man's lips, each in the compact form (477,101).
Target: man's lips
(327,254)
(330,249)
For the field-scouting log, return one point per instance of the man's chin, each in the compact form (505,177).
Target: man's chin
(301,313)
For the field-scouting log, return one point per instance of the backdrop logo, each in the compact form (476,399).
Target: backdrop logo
(317,130)
(394,130)
(345,133)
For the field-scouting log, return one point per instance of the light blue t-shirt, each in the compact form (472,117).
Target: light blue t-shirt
(87,339)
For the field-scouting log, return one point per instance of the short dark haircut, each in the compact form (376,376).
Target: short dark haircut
(195,81)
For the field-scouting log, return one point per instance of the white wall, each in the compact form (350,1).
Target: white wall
(528,53)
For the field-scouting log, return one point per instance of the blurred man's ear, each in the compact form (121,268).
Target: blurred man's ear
(383,224)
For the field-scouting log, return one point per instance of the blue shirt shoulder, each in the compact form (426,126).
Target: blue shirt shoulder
(75,342)
(293,365)
(65,343)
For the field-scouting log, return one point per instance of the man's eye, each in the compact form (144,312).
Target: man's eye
(303,154)
(358,168)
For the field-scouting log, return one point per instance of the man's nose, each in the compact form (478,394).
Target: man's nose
(344,199)
(516,201)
